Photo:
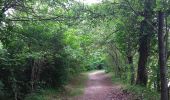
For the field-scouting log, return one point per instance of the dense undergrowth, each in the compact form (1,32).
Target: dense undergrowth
(138,92)
(74,87)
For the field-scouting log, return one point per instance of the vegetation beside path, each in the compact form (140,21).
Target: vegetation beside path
(75,87)
(139,92)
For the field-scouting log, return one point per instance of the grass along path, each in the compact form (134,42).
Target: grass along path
(76,86)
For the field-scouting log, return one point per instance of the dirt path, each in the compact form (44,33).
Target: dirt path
(100,87)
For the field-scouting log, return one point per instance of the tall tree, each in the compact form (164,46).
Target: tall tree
(144,42)
(162,56)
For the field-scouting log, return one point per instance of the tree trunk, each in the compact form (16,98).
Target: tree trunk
(162,57)
(169,92)
(143,56)
(130,61)
(158,81)
(144,42)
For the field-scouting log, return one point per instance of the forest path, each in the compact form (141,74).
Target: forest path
(100,87)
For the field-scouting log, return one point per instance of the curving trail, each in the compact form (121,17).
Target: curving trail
(100,87)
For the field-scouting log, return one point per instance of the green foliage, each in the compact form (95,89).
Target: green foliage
(36,53)
(45,43)
(139,92)
(43,94)
(1,89)
(34,57)
(143,93)
(75,87)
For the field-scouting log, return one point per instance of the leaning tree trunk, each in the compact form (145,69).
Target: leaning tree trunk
(116,67)
(119,70)
(162,57)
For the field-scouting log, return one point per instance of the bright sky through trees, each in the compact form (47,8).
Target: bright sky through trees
(89,1)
